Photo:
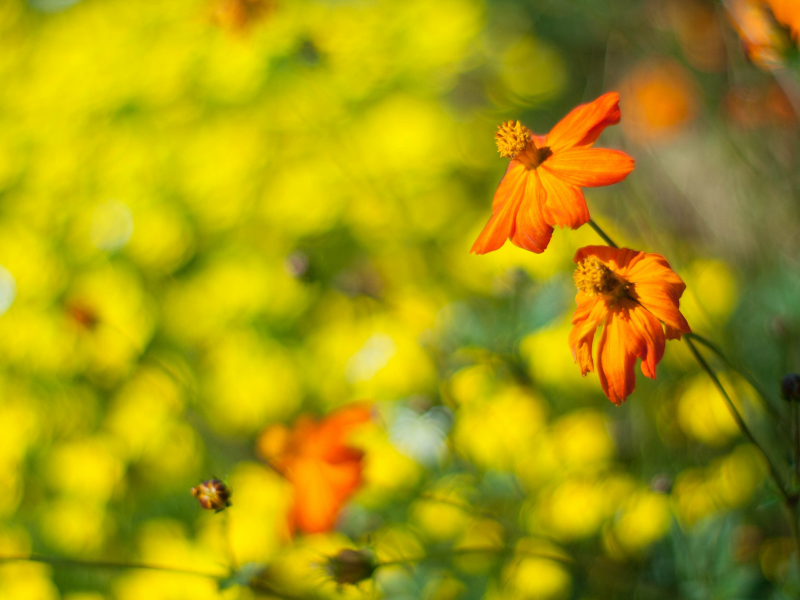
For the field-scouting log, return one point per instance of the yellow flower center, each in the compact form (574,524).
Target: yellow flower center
(512,138)
(593,278)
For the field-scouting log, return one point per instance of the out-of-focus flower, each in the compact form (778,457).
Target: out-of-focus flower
(240,15)
(631,293)
(316,459)
(660,97)
(212,494)
(752,107)
(83,315)
(542,185)
(762,40)
(786,12)
(699,32)
(350,566)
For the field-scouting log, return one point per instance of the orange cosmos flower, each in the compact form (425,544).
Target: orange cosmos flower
(631,294)
(542,185)
(316,459)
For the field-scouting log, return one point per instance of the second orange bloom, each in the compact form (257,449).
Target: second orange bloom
(542,186)
(630,294)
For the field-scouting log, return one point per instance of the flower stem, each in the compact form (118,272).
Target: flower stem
(602,234)
(101,564)
(738,417)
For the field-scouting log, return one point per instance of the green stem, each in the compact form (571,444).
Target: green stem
(462,551)
(101,564)
(602,234)
(743,372)
(738,417)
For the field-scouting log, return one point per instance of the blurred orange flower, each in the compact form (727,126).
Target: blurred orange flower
(542,185)
(316,459)
(787,13)
(763,42)
(631,294)
(660,97)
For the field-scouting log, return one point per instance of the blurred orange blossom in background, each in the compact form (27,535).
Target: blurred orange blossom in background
(541,187)
(316,459)
(631,293)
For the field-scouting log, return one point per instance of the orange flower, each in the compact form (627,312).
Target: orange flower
(762,41)
(787,13)
(542,185)
(631,294)
(315,458)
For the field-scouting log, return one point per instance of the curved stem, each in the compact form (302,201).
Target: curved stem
(102,564)
(748,377)
(602,234)
(738,417)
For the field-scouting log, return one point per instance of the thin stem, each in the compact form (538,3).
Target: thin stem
(102,564)
(737,416)
(748,377)
(462,551)
(602,234)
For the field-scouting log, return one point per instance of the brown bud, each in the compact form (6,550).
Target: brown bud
(790,387)
(350,566)
(212,494)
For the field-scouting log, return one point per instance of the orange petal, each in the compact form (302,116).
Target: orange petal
(591,310)
(650,331)
(658,288)
(617,259)
(321,489)
(505,205)
(584,124)
(589,167)
(565,204)
(616,356)
(532,232)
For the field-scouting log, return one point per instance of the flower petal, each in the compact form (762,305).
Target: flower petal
(650,330)
(505,205)
(584,124)
(617,259)
(658,288)
(589,167)
(590,311)
(532,231)
(616,356)
(565,204)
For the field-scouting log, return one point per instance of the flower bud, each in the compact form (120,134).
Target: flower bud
(790,387)
(350,566)
(212,494)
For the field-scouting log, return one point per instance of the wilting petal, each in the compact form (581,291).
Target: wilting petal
(658,288)
(616,356)
(650,330)
(585,123)
(565,205)
(589,167)
(591,310)
(532,232)
(506,203)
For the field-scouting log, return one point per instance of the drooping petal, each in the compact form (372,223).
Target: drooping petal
(616,356)
(658,288)
(649,329)
(565,205)
(506,203)
(589,167)
(584,124)
(591,311)
(532,231)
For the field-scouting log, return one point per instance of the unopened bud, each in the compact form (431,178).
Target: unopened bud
(350,566)
(212,494)
(790,387)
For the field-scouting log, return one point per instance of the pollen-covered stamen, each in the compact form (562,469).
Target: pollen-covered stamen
(593,278)
(512,138)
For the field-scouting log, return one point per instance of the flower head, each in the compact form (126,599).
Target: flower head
(317,460)
(212,494)
(542,185)
(350,566)
(631,294)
